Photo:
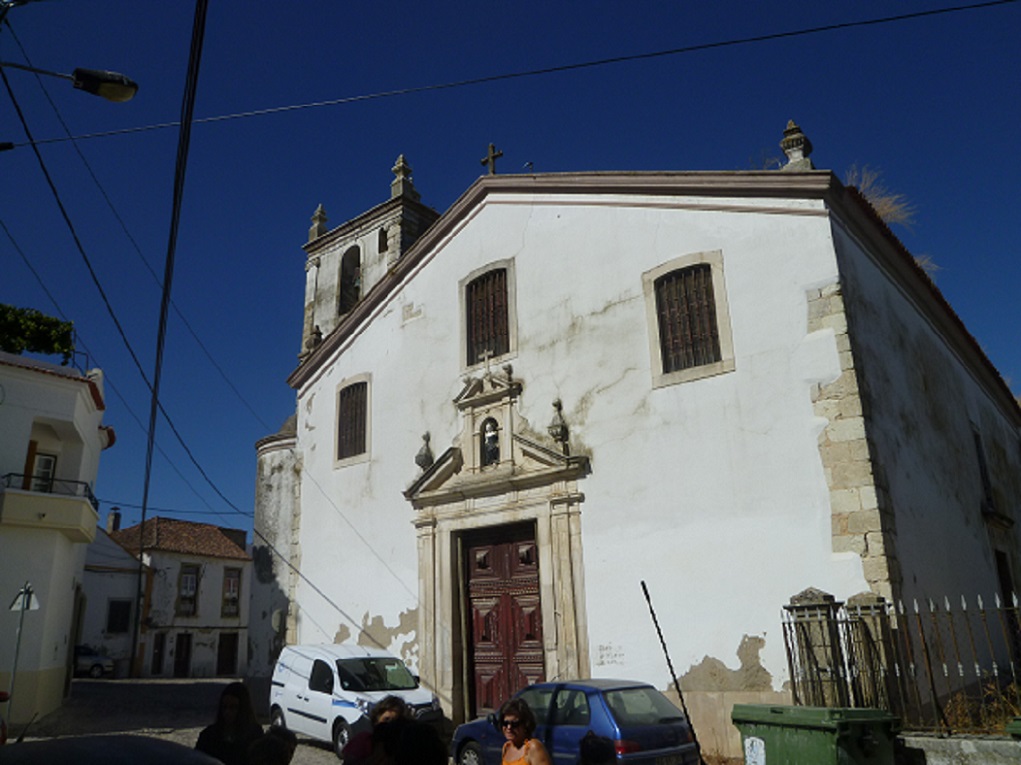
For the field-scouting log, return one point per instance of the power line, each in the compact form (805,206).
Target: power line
(131,239)
(95,279)
(107,381)
(183,142)
(546,70)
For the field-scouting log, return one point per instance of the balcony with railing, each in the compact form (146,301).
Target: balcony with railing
(69,507)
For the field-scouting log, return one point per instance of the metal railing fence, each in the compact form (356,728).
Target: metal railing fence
(939,665)
(51,486)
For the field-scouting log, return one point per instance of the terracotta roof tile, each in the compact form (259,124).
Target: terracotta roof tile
(170,535)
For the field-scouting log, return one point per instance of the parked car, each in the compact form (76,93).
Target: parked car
(645,727)
(327,692)
(88,662)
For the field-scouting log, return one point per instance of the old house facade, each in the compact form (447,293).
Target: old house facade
(728,385)
(111,583)
(195,608)
(51,438)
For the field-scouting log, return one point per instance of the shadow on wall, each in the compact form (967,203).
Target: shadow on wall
(267,625)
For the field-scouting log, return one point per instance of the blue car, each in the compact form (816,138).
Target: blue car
(645,727)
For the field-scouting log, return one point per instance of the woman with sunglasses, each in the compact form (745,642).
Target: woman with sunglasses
(518,723)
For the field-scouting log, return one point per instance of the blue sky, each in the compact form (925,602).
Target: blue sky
(934,103)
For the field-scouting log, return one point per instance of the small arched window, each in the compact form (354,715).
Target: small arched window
(489,443)
(382,243)
(350,280)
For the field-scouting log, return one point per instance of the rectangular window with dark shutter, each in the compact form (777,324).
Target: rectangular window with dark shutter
(486,320)
(351,420)
(686,313)
(118,616)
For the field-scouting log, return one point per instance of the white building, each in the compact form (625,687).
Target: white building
(729,385)
(111,583)
(195,613)
(51,436)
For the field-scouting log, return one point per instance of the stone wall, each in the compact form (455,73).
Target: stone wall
(861,520)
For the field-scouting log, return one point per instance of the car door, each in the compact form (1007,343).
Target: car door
(319,701)
(294,690)
(569,719)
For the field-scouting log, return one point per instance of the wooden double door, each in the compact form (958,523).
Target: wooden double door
(505,647)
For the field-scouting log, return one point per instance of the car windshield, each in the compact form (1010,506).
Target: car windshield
(641,706)
(377,673)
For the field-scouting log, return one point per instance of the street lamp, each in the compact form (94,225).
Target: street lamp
(112,86)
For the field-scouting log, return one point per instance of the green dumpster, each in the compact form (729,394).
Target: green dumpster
(779,735)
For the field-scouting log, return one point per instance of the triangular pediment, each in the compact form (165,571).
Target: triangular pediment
(450,480)
(496,450)
(487,389)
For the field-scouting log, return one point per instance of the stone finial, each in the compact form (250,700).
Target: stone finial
(797,147)
(424,459)
(318,224)
(402,186)
(558,427)
(812,596)
(314,340)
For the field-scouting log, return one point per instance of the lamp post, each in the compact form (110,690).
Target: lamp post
(113,86)
(24,601)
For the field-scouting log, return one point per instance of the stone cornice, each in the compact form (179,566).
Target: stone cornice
(366,219)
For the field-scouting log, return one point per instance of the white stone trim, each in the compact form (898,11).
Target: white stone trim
(726,363)
(365,456)
(512,314)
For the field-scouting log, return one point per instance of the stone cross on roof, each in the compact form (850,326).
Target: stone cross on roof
(490,159)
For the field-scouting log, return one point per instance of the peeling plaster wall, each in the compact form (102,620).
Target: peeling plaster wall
(277,505)
(713,491)
(921,402)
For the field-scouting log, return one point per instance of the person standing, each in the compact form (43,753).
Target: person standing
(235,728)
(360,748)
(518,724)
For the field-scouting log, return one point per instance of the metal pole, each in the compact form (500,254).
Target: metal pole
(670,666)
(26,598)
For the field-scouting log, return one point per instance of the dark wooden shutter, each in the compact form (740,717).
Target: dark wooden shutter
(686,311)
(351,420)
(486,305)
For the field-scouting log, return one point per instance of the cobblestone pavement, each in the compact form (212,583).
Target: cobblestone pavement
(175,710)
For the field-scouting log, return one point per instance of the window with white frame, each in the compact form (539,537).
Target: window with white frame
(188,590)
(688,318)
(487,299)
(231,592)
(353,420)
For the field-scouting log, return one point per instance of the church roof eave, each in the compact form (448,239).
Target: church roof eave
(814,184)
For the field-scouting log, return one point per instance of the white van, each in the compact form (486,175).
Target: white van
(327,691)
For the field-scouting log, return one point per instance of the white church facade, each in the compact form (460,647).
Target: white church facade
(730,386)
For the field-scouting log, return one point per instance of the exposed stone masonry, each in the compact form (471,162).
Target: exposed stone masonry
(862,519)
